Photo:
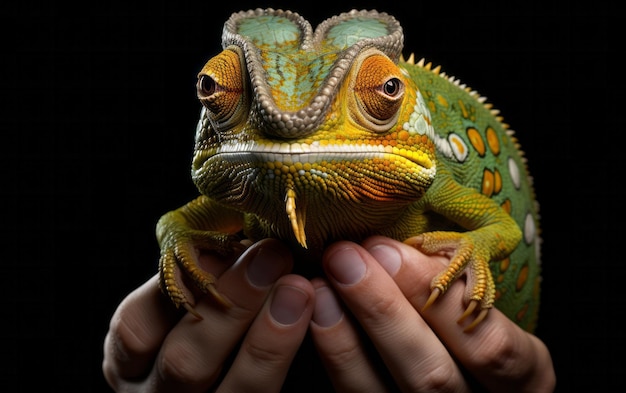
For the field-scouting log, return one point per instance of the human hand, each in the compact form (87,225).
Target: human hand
(151,346)
(384,283)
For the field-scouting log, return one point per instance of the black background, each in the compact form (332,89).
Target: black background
(99,112)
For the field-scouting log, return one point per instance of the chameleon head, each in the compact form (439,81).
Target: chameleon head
(319,135)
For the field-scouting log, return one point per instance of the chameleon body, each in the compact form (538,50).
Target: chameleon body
(313,136)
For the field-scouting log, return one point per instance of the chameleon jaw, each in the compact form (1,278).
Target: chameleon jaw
(296,217)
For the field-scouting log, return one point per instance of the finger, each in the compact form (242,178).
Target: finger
(411,351)
(498,353)
(136,331)
(195,351)
(271,343)
(140,324)
(343,353)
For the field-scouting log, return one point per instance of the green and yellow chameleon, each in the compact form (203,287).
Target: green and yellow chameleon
(313,136)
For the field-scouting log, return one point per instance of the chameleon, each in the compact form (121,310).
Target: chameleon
(317,135)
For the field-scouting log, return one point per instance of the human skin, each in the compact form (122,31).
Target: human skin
(378,287)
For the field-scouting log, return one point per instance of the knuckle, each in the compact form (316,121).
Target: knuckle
(500,353)
(125,340)
(439,379)
(265,354)
(344,355)
(244,309)
(382,308)
(182,364)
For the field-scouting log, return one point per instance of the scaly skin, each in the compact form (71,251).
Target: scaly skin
(312,137)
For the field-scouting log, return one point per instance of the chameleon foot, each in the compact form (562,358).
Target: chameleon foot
(465,258)
(436,292)
(172,284)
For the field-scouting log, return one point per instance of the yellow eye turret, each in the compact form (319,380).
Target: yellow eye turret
(222,88)
(378,93)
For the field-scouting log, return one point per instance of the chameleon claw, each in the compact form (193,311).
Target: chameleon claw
(468,311)
(215,295)
(192,311)
(415,241)
(481,315)
(218,296)
(433,296)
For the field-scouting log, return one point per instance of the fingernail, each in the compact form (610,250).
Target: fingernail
(288,305)
(347,266)
(388,257)
(327,311)
(266,267)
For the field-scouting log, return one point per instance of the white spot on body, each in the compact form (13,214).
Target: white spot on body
(529,229)
(514,172)
(458,146)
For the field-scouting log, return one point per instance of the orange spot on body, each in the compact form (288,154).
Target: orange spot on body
(504,264)
(497,181)
(476,140)
(464,112)
(522,277)
(492,140)
(522,312)
(442,101)
(506,206)
(488,182)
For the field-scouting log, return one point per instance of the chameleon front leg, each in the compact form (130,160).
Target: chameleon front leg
(182,234)
(491,235)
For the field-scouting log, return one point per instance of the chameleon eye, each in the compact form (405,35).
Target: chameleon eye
(378,92)
(222,88)
(392,87)
(206,85)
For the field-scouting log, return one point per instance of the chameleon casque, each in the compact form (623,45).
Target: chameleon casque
(313,136)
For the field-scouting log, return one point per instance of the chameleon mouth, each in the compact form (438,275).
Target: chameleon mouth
(292,153)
